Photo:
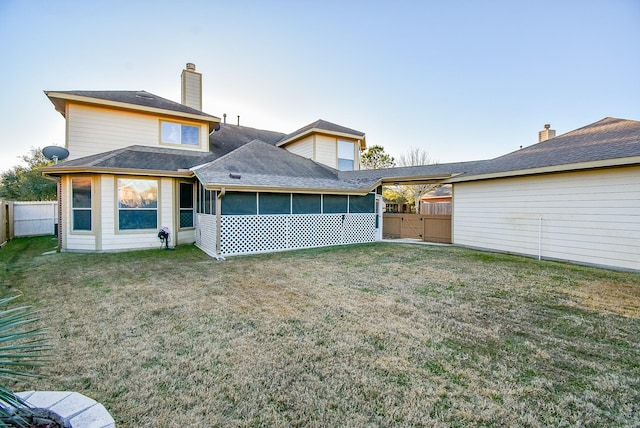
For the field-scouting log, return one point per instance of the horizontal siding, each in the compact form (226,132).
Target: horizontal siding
(303,148)
(326,151)
(587,217)
(94,130)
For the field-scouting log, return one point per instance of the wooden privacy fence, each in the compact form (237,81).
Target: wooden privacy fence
(6,221)
(430,228)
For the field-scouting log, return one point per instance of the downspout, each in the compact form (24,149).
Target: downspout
(540,238)
(219,222)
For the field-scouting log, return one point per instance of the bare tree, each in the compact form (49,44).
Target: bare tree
(415,156)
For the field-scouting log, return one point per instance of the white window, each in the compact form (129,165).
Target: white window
(81,203)
(137,204)
(177,133)
(346,154)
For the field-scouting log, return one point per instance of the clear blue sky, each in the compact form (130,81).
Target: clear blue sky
(463,80)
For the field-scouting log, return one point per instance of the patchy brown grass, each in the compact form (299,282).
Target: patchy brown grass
(367,335)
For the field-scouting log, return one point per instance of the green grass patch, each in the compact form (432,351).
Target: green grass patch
(365,335)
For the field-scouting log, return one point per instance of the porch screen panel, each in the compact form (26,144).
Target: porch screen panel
(335,204)
(362,204)
(306,204)
(239,203)
(274,203)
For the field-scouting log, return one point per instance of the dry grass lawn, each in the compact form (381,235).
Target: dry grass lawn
(367,335)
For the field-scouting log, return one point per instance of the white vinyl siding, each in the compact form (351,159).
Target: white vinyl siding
(587,217)
(93,130)
(326,151)
(303,147)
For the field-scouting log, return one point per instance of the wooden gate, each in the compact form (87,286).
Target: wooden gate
(430,228)
(437,228)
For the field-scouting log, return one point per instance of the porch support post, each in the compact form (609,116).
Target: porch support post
(219,219)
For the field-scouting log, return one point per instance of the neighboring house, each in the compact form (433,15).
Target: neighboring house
(573,197)
(139,162)
(437,201)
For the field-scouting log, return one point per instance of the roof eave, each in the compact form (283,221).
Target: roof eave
(59,99)
(578,166)
(280,189)
(360,138)
(410,180)
(52,171)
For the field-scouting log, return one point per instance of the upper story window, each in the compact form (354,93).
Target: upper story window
(178,133)
(346,155)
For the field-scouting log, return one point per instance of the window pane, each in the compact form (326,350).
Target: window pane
(345,150)
(186,218)
(137,193)
(306,204)
(81,189)
(275,203)
(238,203)
(362,204)
(186,195)
(137,219)
(190,135)
(345,165)
(170,132)
(81,219)
(335,204)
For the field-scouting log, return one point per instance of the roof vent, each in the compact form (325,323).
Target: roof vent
(236,176)
(145,95)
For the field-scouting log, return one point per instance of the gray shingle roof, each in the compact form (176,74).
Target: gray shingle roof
(322,124)
(260,164)
(140,158)
(607,139)
(140,98)
(239,150)
(231,137)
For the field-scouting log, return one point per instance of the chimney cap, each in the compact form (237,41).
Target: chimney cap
(191,66)
(547,125)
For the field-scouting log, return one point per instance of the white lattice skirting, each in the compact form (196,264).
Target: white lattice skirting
(264,233)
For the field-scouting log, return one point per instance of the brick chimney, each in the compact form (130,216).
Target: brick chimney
(192,87)
(546,133)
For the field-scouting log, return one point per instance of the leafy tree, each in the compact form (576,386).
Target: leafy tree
(376,158)
(415,157)
(26,183)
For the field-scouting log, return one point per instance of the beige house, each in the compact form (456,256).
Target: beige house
(573,197)
(140,162)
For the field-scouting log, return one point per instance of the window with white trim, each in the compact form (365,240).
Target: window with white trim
(137,203)
(81,203)
(346,155)
(179,133)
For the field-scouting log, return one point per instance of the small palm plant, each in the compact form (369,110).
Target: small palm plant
(22,348)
